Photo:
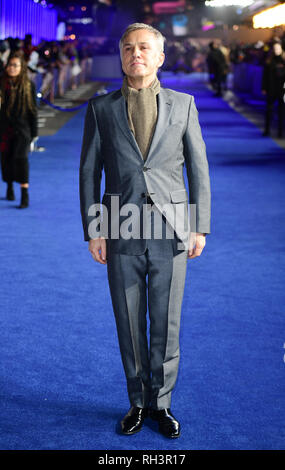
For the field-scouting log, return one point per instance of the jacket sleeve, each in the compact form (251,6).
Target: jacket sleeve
(197,172)
(90,173)
(34,115)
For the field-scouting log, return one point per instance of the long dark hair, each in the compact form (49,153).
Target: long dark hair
(21,89)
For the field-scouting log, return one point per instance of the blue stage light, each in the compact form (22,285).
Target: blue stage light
(19,17)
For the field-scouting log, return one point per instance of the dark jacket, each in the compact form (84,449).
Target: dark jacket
(274,76)
(216,62)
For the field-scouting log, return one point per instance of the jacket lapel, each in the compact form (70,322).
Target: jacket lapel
(165,106)
(120,113)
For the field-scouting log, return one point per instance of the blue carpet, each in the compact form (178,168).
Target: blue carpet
(62,381)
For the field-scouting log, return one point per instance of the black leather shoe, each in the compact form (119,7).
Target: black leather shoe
(133,420)
(167,424)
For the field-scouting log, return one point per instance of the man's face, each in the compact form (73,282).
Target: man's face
(141,56)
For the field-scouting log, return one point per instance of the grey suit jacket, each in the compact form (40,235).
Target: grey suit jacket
(109,144)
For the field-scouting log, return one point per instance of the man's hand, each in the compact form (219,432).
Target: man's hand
(97,248)
(197,241)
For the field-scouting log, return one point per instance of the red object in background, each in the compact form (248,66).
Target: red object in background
(167,7)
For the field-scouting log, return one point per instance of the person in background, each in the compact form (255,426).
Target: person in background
(217,67)
(64,61)
(273,87)
(28,47)
(4,55)
(226,53)
(16,45)
(18,126)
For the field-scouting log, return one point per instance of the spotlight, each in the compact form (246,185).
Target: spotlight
(228,3)
(270,18)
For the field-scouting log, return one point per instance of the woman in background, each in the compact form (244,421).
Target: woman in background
(18,125)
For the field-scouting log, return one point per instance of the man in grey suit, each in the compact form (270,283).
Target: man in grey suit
(142,136)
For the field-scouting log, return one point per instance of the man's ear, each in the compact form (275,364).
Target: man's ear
(161,59)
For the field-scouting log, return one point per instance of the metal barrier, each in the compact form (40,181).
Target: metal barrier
(101,91)
(248,79)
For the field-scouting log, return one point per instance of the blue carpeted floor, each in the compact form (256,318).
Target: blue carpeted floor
(62,381)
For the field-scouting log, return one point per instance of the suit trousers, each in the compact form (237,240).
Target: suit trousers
(152,281)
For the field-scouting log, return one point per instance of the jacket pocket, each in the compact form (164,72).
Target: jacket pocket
(179,195)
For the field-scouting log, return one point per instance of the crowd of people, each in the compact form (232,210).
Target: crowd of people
(270,56)
(60,64)
(67,63)
(219,60)
(255,53)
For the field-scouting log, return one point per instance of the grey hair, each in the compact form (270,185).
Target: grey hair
(135,26)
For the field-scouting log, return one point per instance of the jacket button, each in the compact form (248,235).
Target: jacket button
(145,168)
